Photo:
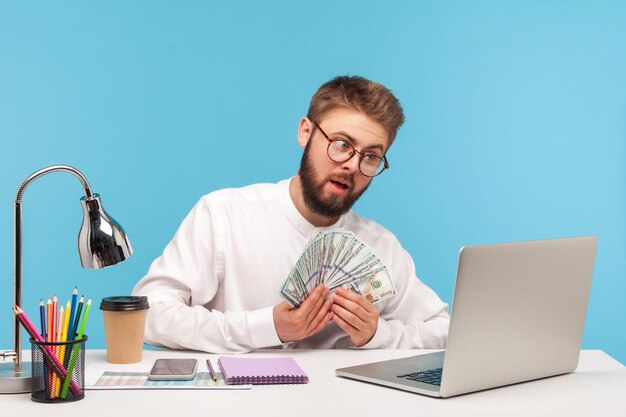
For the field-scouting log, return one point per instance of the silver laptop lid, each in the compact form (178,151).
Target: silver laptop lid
(518,312)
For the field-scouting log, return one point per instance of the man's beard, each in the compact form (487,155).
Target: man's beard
(312,192)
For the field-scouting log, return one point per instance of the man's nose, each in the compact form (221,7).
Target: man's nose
(352,164)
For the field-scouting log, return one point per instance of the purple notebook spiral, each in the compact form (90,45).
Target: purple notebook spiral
(257,371)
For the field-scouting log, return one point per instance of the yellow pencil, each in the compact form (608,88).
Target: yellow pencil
(59,349)
(66,323)
(59,329)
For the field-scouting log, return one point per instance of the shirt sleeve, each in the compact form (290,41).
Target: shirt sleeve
(415,318)
(183,281)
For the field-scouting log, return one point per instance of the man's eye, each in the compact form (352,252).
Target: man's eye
(371,157)
(342,145)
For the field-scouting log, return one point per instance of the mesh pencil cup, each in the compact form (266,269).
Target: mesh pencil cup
(58,371)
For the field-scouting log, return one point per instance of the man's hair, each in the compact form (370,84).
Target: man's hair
(360,94)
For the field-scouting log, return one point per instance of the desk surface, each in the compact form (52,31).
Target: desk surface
(598,387)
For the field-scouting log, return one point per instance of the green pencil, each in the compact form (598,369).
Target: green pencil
(77,317)
(71,333)
(81,332)
(66,383)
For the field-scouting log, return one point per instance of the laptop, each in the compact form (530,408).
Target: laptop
(518,314)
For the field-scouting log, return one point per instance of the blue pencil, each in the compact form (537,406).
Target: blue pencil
(71,331)
(70,325)
(42,317)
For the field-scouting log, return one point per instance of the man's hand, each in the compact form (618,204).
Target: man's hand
(355,315)
(309,318)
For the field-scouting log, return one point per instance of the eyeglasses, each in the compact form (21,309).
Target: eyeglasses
(340,150)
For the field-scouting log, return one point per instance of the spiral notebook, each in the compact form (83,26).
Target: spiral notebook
(257,371)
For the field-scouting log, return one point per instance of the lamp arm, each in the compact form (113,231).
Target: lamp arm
(53,168)
(17,359)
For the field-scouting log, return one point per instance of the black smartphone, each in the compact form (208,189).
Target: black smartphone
(173,369)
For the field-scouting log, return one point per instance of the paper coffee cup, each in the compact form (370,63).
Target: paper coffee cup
(124,325)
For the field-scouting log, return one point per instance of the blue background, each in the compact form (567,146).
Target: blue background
(516,126)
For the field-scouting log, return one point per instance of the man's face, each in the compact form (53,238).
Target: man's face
(331,188)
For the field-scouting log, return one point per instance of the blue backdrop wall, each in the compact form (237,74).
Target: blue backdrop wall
(516,126)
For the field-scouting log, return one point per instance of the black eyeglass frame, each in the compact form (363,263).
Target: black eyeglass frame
(354,151)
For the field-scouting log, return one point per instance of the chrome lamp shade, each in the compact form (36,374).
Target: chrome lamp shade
(101,243)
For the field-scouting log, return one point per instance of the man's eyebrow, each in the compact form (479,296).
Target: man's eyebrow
(353,141)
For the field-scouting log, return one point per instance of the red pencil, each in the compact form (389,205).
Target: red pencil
(48,338)
(54,318)
(52,359)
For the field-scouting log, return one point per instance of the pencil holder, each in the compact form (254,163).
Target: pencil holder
(58,371)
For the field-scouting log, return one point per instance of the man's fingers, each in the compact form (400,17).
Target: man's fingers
(355,298)
(311,301)
(347,316)
(321,314)
(356,316)
(343,325)
(325,320)
(310,317)
(319,301)
(311,304)
(351,306)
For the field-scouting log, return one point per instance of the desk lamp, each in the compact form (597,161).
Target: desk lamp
(101,243)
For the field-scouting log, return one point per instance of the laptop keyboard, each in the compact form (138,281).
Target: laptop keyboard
(431,376)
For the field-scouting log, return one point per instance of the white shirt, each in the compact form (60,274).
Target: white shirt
(215,285)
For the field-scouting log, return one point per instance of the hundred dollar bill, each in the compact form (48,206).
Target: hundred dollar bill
(376,288)
(337,258)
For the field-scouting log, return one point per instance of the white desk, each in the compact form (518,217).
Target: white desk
(598,387)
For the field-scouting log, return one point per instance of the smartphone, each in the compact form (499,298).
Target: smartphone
(173,369)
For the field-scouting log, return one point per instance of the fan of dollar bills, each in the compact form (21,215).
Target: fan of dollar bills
(336,258)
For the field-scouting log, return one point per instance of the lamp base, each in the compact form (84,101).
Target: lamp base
(12,382)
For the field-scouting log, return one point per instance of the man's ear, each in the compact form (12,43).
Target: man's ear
(304,131)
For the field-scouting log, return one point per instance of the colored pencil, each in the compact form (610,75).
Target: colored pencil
(77,318)
(66,322)
(83,322)
(48,320)
(74,355)
(53,338)
(54,319)
(51,376)
(64,330)
(58,350)
(43,318)
(53,361)
(60,324)
(67,330)
(70,324)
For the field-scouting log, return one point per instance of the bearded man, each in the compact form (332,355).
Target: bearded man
(216,286)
